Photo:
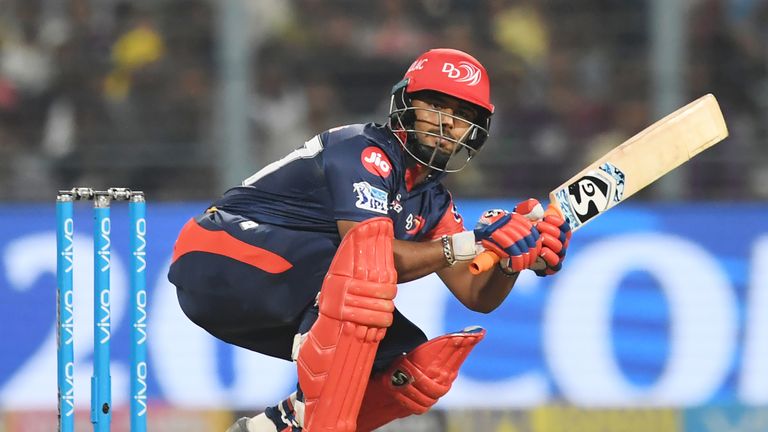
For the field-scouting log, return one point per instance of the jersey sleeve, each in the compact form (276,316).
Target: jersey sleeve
(360,179)
(450,222)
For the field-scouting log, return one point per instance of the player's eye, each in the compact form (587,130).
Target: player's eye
(465,114)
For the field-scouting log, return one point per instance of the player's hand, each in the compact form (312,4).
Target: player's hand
(555,237)
(509,235)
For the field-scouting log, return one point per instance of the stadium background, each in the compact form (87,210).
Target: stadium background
(657,323)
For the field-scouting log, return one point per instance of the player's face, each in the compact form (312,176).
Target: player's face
(439,115)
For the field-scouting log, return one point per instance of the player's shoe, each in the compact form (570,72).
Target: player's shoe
(260,423)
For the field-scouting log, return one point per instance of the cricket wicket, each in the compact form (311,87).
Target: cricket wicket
(101,392)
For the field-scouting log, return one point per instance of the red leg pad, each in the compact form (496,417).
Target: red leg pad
(417,380)
(355,309)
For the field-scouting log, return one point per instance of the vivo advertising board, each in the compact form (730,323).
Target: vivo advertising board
(657,305)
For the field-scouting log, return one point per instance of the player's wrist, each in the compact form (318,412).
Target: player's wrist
(459,247)
(448,253)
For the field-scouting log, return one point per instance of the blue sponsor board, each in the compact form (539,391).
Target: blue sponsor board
(726,418)
(657,305)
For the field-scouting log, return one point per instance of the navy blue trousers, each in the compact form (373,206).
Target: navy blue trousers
(255,286)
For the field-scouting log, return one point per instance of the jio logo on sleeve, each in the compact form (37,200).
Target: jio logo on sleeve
(376,162)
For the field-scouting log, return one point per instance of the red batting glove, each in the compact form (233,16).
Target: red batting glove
(555,237)
(509,235)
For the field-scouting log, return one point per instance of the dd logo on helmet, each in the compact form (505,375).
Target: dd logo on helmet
(465,72)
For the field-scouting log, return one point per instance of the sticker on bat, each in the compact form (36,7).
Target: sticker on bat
(591,194)
(618,181)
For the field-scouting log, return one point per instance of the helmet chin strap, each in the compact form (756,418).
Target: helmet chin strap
(428,156)
(435,157)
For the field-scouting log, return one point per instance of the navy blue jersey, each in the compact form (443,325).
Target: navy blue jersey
(354,173)
(254,284)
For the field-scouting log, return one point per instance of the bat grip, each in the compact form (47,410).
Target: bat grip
(483,262)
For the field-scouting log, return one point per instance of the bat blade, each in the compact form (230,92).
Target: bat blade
(633,165)
(640,161)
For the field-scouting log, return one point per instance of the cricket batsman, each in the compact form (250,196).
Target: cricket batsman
(302,261)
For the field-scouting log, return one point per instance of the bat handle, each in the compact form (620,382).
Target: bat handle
(487,259)
(553,211)
(483,262)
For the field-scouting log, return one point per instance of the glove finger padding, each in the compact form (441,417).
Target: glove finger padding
(531,209)
(551,257)
(509,235)
(555,237)
(550,241)
(557,221)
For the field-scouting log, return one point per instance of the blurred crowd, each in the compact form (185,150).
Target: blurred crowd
(109,92)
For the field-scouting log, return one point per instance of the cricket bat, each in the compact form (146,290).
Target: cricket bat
(633,165)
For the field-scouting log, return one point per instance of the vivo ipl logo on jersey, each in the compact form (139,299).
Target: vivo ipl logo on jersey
(376,162)
(465,72)
(371,198)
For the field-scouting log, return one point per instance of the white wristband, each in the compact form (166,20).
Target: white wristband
(464,246)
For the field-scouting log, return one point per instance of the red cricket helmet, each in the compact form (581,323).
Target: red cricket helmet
(454,73)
